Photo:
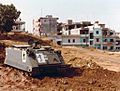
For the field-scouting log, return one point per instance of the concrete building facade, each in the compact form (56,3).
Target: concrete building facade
(92,35)
(45,26)
(19,26)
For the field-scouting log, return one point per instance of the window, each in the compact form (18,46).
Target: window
(91,35)
(111,40)
(68,40)
(111,48)
(73,40)
(17,28)
(45,20)
(104,33)
(111,33)
(84,40)
(84,31)
(98,47)
(97,40)
(91,42)
(104,47)
(105,40)
(97,32)
(117,47)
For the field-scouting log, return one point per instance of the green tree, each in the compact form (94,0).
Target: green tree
(8,16)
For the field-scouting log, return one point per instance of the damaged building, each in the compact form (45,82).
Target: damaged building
(92,35)
(45,26)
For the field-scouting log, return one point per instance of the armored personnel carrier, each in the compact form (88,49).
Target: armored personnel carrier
(35,59)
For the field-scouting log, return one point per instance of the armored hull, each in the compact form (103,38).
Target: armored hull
(34,60)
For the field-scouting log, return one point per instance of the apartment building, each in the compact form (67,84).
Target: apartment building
(87,34)
(76,33)
(45,25)
(108,37)
(117,41)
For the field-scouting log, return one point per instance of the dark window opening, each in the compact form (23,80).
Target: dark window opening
(111,40)
(84,40)
(17,28)
(98,47)
(111,33)
(71,27)
(78,25)
(97,32)
(44,20)
(111,48)
(104,33)
(97,40)
(68,40)
(105,40)
(104,47)
(91,35)
(84,31)
(69,32)
(117,47)
(91,42)
(73,40)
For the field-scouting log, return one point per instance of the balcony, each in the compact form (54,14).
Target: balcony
(84,35)
(108,43)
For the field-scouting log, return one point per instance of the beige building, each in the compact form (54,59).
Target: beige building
(45,25)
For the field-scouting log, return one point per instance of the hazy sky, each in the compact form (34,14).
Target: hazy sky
(106,11)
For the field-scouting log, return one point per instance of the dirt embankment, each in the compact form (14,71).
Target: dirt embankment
(80,80)
(85,75)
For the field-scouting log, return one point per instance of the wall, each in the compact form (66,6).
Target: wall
(99,30)
(71,38)
(49,25)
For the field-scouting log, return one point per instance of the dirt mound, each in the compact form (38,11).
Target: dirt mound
(80,80)
(23,37)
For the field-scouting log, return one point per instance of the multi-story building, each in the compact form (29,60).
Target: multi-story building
(117,41)
(87,34)
(45,25)
(108,38)
(76,33)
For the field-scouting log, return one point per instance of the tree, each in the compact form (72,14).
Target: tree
(8,16)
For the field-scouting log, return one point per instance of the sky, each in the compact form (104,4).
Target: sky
(105,11)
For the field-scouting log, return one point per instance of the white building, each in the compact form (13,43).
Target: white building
(92,35)
(19,26)
(71,40)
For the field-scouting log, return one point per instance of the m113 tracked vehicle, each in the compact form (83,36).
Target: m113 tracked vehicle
(35,59)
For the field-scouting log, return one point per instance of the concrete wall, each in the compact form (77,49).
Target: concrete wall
(71,38)
(49,26)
